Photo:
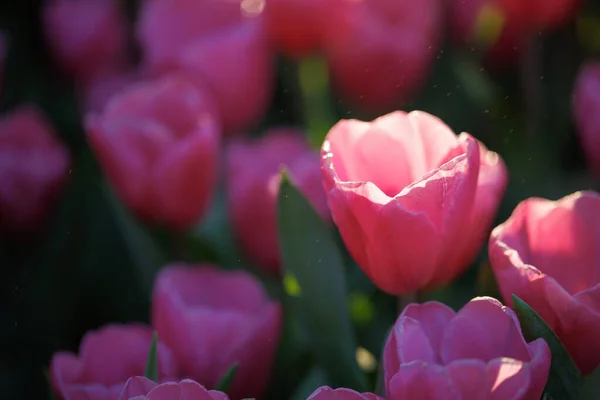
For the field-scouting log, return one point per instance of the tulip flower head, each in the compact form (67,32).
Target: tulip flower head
(158,144)
(214,319)
(477,353)
(547,254)
(107,358)
(413,202)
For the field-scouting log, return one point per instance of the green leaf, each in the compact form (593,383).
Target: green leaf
(591,387)
(144,251)
(311,260)
(565,380)
(225,382)
(152,363)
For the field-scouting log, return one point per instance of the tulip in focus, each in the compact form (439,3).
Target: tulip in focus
(586,113)
(141,388)
(253,177)
(158,144)
(223,43)
(327,393)
(34,166)
(86,37)
(213,319)
(477,353)
(547,254)
(107,358)
(412,201)
(380,51)
(298,27)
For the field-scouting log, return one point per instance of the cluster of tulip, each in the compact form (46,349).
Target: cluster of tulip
(413,202)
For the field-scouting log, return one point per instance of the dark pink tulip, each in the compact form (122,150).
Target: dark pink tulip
(141,388)
(253,171)
(107,358)
(327,393)
(86,37)
(477,353)
(412,201)
(224,43)
(34,166)
(380,51)
(297,27)
(213,319)
(158,143)
(586,112)
(547,254)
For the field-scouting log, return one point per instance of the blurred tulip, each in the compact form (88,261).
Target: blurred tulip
(327,393)
(158,144)
(541,14)
(547,254)
(412,201)
(213,319)
(86,37)
(477,353)
(253,184)
(141,388)
(297,27)
(586,113)
(107,358)
(33,169)
(381,51)
(224,43)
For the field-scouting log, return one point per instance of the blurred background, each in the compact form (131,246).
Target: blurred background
(80,268)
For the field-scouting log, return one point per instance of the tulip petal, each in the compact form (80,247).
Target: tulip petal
(424,381)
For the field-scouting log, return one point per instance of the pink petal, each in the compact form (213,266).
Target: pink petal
(469,378)
(327,393)
(508,380)
(424,381)
(137,386)
(483,330)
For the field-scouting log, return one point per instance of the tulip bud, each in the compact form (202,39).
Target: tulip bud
(86,37)
(107,358)
(547,254)
(413,202)
(380,51)
(224,43)
(586,113)
(213,319)
(33,169)
(253,172)
(158,144)
(477,353)
(149,390)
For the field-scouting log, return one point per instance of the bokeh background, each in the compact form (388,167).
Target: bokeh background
(86,266)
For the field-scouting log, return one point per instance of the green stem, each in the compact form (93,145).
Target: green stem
(405,300)
(531,79)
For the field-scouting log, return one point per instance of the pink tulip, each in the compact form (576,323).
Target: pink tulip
(141,388)
(541,14)
(86,37)
(412,201)
(107,358)
(34,167)
(158,144)
(253,184)
(224,43)
(213,319)
(547,254)
(586,112)
(327,393)
(380,51)
(477,353)
(298,27)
